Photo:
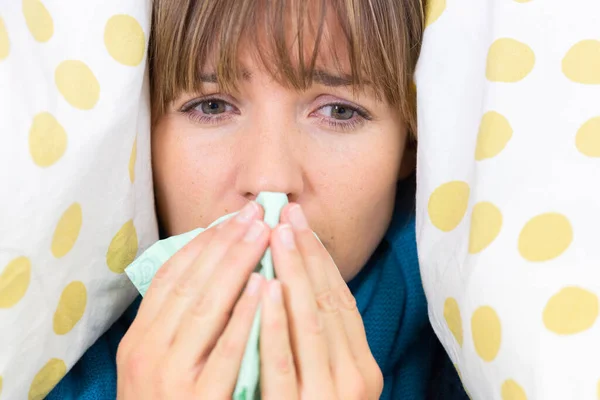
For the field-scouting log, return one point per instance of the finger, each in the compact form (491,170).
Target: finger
(204,321)
(190,286)
(278,373)
(317,261)
(164,279)
(308,341)
(218,377)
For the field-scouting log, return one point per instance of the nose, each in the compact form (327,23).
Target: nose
(271,161)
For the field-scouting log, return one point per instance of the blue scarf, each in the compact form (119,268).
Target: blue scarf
(390,298)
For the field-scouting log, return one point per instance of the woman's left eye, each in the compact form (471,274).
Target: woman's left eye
(339,112)
(342,117)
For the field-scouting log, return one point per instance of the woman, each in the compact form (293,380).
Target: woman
(308,98)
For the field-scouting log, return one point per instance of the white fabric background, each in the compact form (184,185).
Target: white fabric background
(509,240)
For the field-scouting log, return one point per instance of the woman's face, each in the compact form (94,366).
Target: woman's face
(337,153)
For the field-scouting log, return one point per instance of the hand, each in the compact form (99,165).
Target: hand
(185,342)
(313,342)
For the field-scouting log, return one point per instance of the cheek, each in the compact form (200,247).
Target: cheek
(357,186)
(189,176)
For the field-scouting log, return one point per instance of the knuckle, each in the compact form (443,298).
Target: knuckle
(183,288)
(327,301)
(347,299)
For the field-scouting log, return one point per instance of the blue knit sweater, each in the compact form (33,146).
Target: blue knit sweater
(394,310)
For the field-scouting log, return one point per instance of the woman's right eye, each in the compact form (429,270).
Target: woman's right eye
(209,110)
(213,107)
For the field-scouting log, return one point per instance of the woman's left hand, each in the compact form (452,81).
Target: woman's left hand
(313,341)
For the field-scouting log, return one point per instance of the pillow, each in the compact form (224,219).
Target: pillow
(77,202)
(508,214)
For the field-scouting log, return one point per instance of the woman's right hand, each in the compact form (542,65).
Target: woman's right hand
(190,333)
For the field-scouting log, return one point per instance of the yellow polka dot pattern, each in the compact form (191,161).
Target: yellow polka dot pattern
(572,310)
(48,145)
(494,133)
(71,307)
(453,319)
(47,140)
(14,281)
(581,64)
(448,204)
(39,21)
(435,8)
(122,249)
(511,390)
(540,238)
(132,159)
(67,231)
(4,41)
(486,223)
(77,83)
(124,40)
(487,332)
(588,138)
(45,380)
(545,237)
(509,60)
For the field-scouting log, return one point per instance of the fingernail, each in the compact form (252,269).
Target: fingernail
(247,212)
(256,229)
(275,290)
(254,284)
(297,217)
(287,236)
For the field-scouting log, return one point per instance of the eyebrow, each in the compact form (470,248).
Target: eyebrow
(319,77)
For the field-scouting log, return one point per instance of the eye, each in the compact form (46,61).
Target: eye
(212,107)
(212,110)
(339,111)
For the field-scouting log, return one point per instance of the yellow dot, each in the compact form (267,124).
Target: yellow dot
(122,249)
(47,140)
(77,83)
(132,159)
(124,40)
(572,310)
(434,10)
(47,378)
(486,222)
(511,390)
(38,19)
(4,42)
(494,134)
(1,385)
(448,204)
(14,281)
(453,319)
(588,138)
(582,62)
(67,231)
(71,307)
(545,237)
(487,332)
(509,60)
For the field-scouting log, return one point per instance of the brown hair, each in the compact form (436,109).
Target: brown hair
(382,38)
